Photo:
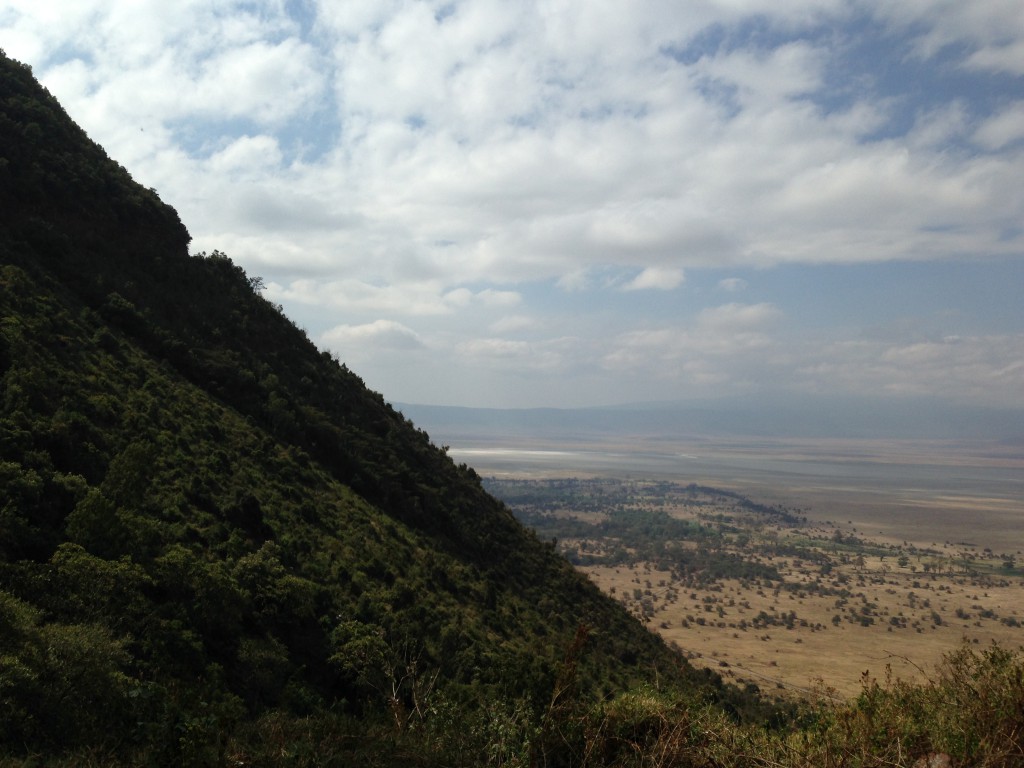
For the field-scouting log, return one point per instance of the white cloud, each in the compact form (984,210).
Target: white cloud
(709,360)
(534,143)
(380,333)
(763,78)
(659,278)
(247,154)
(266,82)
(987,370)
(408,299)
(729,343)
(1000,58)
(494,348)
(493,298)
(545,358)
(511,323)
(1002,129)
(450,164)
(936,128)
(738,317)
(991,29)
(732,284)
(576,280)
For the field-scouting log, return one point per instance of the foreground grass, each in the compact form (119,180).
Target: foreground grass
(970,714)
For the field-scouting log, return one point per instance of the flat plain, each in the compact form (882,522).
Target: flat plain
(889,554)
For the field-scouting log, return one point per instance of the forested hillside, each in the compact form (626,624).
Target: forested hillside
(204,519)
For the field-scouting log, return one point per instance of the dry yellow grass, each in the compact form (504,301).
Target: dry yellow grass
(814,654)
(947,505)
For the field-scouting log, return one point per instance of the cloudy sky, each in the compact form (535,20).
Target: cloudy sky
(568,202)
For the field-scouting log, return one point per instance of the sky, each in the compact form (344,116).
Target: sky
(564,203)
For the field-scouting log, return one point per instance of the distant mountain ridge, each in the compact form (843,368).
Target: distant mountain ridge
(812,417)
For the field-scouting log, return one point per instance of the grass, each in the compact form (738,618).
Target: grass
(875,589)
(814,652)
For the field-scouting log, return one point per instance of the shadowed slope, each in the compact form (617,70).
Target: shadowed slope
(204,517)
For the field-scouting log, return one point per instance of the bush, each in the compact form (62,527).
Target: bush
(973,711)
(60,684)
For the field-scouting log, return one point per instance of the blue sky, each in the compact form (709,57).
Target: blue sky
(576,203)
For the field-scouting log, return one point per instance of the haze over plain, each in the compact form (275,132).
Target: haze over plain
(575,204)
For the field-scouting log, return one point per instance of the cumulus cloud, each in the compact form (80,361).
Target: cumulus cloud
(660,278)
(987,370)
(510,323)
(357,295)
(425,298)
(732,284)
(1002,129)
(738,317)
(495,348)
(477,167)
(726,343)
(247,154)
(989,31)
(543,358)
(380,333)
(535,144)
(576,280)
(1008,57)
(706,360)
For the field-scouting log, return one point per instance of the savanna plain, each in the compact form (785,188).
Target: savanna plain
(805,567)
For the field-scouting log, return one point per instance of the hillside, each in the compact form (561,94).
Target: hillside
(204,519)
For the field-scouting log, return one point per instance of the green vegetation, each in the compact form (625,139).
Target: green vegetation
(969,715)
(217,546)
(614,522)
(205,521)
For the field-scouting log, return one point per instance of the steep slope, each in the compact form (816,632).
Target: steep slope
(203,517)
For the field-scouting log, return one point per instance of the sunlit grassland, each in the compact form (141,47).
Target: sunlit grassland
(895,561)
